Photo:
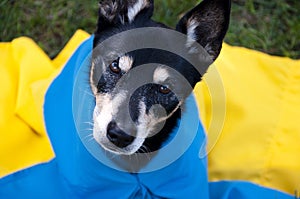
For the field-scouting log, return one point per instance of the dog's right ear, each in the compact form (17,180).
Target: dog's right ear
(115,12)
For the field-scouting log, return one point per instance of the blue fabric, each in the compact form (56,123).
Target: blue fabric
(244,190)
(76,173)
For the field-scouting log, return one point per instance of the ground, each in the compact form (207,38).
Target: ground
(269,26)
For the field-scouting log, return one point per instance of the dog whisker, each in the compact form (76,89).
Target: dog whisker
(90,123)
(145,150)
(88,93)
(89,137)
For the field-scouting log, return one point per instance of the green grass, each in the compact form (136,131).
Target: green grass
(269,26)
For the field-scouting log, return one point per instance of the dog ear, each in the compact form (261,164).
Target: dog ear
(207,24)
(114,12)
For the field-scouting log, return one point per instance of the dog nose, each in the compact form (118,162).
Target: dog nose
(117,136)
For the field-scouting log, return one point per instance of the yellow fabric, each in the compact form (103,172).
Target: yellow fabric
(257,117)
(25,73)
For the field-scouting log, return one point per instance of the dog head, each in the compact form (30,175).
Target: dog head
(137,109)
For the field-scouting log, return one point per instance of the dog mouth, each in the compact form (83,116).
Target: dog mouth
(114,147)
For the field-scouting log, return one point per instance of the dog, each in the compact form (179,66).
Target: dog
(127,120)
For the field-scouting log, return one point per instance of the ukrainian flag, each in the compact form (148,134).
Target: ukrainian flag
(249,107)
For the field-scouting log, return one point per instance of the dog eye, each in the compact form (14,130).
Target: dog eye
(164,89)
(114,67)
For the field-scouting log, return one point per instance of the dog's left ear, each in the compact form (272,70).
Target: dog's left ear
(207,24)
(115,12)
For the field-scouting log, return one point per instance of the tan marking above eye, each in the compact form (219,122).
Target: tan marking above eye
(160,75)
(125,63)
